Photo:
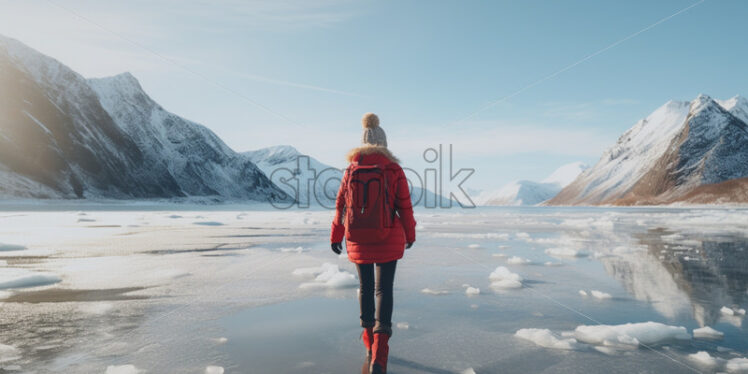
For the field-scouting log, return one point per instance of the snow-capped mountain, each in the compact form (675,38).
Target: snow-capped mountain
(282,165)
(526,192)
(683,152)
(62,136)
(295,173)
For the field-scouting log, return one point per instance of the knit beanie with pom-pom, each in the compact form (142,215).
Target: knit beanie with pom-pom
(373,134)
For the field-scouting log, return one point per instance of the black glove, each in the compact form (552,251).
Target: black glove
(337,247)
(410,244)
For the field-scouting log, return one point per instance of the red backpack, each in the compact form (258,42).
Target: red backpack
(370,209)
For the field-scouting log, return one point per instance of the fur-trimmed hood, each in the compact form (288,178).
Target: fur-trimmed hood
(371,149)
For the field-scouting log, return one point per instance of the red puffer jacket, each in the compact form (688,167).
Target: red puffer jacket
(404,228)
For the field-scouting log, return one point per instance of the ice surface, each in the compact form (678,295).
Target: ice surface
(707,332)
(327,276)
(8,353)
(123,369)
(630,333)
(545,338)
(503,278)
(214,370)
(207,272)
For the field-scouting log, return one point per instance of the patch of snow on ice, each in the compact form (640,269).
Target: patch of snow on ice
(545,338)
(522,235)
(583,293)
(600,295)
(473,246)
(471,291)
(704,359)
(515,260)
(214,370)
(707,332)
(402,325)
(468,371)
(327,276)
(298,249)
(221,340)
(96,308)
(630,333)
(502,278)
(429,291)
(737,365)
(9,353)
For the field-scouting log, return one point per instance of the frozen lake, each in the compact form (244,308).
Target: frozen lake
(170,289)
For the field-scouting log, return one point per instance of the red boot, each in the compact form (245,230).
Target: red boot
(368,337)
(380,350)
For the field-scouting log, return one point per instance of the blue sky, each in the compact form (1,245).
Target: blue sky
(423,66)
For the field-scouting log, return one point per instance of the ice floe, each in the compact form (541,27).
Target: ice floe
(737,365)
(503,278)
(703,358)
(631,334)
(545,338)
(707,332)
(327,276)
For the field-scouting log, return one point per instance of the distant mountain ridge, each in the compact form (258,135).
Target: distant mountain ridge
(526,192)
(684,152)
(280,162)
(63,136)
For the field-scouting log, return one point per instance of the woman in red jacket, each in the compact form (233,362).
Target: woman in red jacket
(375,259)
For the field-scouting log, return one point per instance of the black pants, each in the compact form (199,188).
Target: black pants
(380,317)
